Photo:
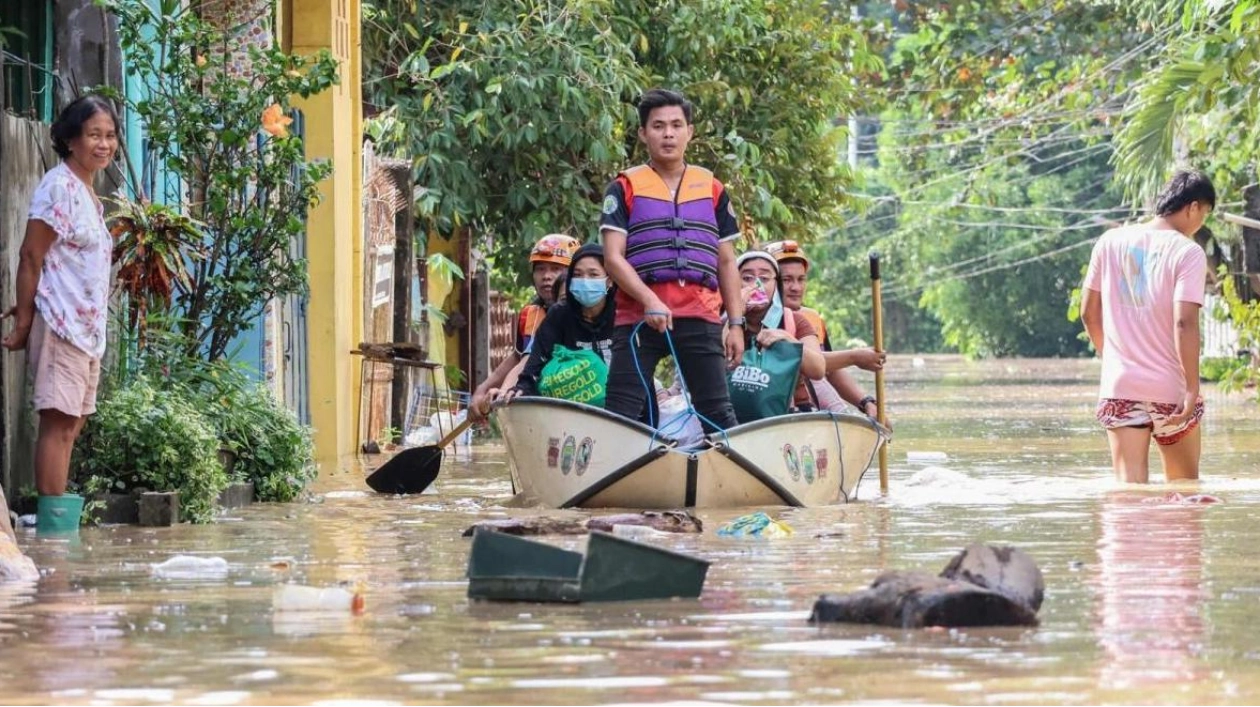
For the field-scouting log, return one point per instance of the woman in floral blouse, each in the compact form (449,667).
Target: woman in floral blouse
(63,283)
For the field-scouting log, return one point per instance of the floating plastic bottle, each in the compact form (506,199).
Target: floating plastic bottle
(636,532)
(298,597)
(191,567)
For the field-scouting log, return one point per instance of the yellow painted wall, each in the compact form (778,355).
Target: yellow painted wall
(334,234)
(443,349)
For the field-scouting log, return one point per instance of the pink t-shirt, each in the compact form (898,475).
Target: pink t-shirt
(1141,274)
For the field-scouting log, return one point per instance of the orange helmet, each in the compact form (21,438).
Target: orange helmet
(555,248)
(787,250)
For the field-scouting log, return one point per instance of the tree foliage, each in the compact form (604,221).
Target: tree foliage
(514,113)
(243,178)
(989,176)
(1202,103)
(1201,106)
(518,114)
(770,80)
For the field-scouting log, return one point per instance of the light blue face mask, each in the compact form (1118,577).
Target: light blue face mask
(774,315)
(588,291)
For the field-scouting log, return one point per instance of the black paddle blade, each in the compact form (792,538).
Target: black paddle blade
(409,471)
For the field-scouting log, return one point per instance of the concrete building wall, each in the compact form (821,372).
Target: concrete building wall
(25,154)
(86,46)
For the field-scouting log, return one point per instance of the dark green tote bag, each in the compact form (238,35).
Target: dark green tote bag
(765,381)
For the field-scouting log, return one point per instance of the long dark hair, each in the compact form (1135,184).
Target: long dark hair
(69,124)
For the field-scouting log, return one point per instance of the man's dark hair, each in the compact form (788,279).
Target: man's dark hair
(1186,187)
(70,122)
(660,98)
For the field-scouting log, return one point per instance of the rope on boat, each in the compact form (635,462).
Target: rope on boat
(651,392)
(835,420)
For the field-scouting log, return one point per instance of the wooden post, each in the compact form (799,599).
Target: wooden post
(877,315)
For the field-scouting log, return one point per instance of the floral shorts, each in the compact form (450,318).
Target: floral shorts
(1117,412)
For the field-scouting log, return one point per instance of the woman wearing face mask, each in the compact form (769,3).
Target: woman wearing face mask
(768,321)
(582,320)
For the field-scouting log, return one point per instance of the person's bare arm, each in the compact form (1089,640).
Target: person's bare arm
(731,288)
(813,365)
(851,392)
(514,375)
(1092,318)
(39,239)
(479,406)
(1188,344)
(627,279)
(865,358)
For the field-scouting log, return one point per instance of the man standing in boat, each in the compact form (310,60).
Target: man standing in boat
(548,261)
(1140,305)
(668,230)
(837,385)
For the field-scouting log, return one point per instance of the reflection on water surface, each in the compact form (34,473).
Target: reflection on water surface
(1145,602)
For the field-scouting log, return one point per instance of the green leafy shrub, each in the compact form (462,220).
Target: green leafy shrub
(272,448)
(146,438)
(1245,316)
(1218,368)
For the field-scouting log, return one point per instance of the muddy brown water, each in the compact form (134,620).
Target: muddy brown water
(1148,603)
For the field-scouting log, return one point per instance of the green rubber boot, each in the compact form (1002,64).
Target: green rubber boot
(59,514)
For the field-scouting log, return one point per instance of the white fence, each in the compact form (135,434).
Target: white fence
(1220,339)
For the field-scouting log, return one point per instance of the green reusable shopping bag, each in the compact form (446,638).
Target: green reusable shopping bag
(579,376)
(764,382)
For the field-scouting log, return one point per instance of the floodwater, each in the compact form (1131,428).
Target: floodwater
(1146,602)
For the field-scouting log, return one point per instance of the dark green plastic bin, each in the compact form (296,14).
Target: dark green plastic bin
(505,567)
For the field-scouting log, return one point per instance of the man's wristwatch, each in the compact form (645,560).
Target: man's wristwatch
(864,401)
(735,321)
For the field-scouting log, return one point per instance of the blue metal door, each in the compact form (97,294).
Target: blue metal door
(293,317)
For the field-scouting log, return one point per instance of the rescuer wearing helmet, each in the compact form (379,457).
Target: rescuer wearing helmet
(548,260)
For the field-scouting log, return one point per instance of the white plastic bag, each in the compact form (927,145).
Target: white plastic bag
(689,433)
(445,422)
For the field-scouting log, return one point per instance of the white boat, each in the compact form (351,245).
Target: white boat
(570,455)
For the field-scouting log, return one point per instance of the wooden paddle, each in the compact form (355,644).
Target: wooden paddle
(412,470)
(877,314)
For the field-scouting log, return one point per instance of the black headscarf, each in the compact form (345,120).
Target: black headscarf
(591,250)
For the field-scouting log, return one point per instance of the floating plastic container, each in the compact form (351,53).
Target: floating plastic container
(505,567)
(298,597)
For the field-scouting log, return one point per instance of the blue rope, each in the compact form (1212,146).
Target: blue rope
(691,410)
